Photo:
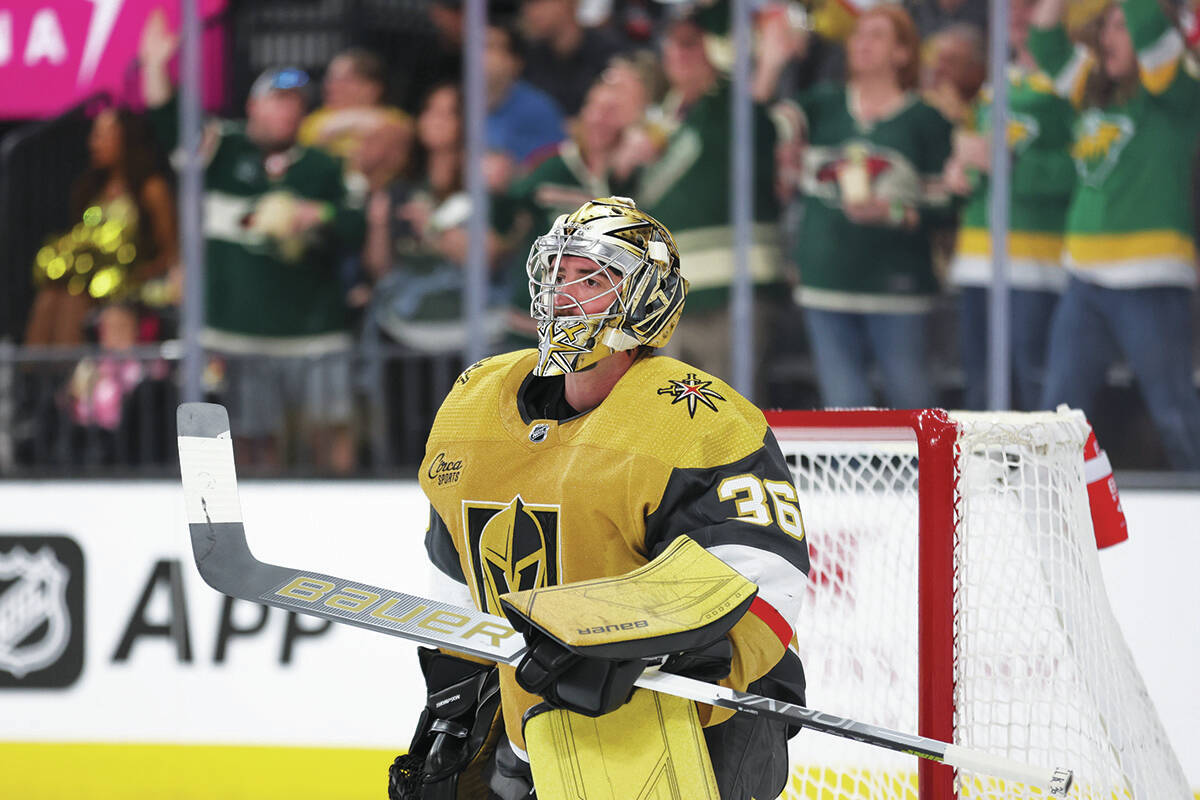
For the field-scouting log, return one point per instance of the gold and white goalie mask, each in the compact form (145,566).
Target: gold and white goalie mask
(604,279)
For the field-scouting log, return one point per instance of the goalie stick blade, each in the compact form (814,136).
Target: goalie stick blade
(226,563)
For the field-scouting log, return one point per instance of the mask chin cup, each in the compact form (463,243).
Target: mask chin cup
(554,360)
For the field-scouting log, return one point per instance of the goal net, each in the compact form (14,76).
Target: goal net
(956,591)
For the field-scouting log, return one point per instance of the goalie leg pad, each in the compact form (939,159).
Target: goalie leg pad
(456,733)
(651,747)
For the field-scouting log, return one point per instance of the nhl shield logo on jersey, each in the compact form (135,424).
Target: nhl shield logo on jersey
(40,611)
(693,391)
(513,546)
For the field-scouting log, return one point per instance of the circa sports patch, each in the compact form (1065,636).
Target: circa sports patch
(693,391)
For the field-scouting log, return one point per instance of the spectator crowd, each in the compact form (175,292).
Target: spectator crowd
(336,214)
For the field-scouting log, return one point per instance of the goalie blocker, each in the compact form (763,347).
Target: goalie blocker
(686,600)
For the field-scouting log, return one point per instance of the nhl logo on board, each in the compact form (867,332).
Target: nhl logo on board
(538,432)
(41,611)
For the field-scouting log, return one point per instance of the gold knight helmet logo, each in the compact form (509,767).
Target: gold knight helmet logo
(514,547)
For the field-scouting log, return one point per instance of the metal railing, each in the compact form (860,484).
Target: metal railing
(88,412)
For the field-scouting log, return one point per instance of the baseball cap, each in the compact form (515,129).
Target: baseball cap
(282,79)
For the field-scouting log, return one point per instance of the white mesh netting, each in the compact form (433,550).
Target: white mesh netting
(1041,671)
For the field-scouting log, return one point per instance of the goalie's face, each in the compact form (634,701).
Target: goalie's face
(576,299)
(583,288)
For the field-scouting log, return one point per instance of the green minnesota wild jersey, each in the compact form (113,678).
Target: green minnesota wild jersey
(519,501)
(255,300)
(688,190)
(1130,222)
(869,268)
(1042,179)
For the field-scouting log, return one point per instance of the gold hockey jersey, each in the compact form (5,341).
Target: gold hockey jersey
(519,502)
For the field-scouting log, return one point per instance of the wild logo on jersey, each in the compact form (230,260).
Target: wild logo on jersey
(513,547)
(1023,128)
(1099,140)
(884,172)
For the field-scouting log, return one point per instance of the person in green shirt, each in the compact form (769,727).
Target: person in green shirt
(1130,233)
(1041,181)
(277,218)
(687,185)
(872,178)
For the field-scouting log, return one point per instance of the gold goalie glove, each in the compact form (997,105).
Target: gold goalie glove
(590,640)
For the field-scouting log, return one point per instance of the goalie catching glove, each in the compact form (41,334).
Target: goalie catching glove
(589,641)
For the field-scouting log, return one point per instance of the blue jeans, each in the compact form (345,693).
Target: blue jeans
(845,344)
(1030,314)
(1152,329)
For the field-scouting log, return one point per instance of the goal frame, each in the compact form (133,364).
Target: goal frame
(935,435)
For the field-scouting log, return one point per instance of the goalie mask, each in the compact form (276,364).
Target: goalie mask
(604,279)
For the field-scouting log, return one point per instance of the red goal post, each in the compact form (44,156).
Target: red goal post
(956,590)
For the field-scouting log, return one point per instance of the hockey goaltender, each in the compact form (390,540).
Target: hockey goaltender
(622,509)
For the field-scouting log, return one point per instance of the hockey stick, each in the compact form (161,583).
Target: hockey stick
(225,562)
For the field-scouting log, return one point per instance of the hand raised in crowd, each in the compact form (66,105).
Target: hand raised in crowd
(789,167)
(780,40)
(973,150)
(955,178)
(636,149)
(379,208)
(454,244)
(158,44)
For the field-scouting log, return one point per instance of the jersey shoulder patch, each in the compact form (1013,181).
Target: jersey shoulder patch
(703,418)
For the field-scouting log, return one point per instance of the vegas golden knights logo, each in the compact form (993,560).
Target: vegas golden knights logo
(513,547)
